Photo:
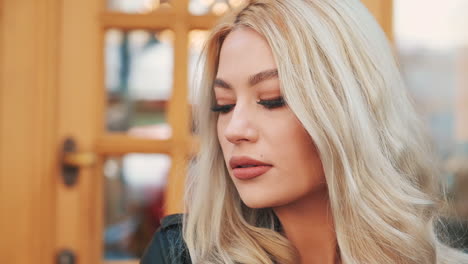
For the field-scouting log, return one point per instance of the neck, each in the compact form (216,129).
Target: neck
(308,225)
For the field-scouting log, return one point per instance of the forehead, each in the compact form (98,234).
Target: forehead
(244,52)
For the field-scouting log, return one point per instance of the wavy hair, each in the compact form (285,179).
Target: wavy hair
(339,77)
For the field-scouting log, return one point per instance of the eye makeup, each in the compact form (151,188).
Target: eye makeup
(274,103)
(222,108)
(269,104)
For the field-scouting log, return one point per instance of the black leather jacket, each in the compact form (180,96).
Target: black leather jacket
(167,245)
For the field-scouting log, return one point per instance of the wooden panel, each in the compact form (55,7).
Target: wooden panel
(116,144)
(180,6)
(383,13)
(155,21)
(162,19)
(178,115)
(202,22)
(28,61)
(133,21)
(387,20)
(79,216)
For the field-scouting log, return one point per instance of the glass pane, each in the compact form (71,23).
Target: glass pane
(139,79)
(137,6)
(434,60)
(217,7)
(133,194)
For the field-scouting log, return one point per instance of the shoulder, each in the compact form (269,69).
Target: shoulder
(172,221)
(167,245)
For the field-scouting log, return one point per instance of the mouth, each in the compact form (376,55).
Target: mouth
(245,168)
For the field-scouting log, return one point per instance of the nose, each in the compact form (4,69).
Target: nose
(241,126)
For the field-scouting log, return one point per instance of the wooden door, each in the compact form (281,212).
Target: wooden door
(54,85)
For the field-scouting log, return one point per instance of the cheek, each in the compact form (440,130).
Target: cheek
(300,154)
(293,134)
(305,144)
(220,127)
(218,130)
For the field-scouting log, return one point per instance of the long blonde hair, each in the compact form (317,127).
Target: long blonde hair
(339,77)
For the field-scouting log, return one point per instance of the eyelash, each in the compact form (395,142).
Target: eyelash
(269,104)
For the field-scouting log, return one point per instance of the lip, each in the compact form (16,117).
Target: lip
(249,172)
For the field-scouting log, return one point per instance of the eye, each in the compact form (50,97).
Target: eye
(269,104)
(273,103)
(222,108)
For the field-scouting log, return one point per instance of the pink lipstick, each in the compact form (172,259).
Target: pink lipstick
(245,168)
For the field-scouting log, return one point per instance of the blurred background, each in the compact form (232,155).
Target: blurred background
(95,122)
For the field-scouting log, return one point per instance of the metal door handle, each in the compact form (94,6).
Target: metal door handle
(83,159)
(72,161)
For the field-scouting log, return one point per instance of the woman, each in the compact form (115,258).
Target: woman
(311,151)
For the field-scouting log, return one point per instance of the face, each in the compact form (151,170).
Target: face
(269,155)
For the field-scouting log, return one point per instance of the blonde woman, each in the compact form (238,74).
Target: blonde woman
(310,150)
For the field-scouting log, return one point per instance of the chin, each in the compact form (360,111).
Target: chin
(255,204)
(261,201)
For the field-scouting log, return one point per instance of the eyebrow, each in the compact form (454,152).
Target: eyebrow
(262,76)
(253,80)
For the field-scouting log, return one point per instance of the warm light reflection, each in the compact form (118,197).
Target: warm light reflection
(197,39)
(236,3)
(220,8)
(137,6)
(166,36)
(165,5)
(207,2)
(151,5)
